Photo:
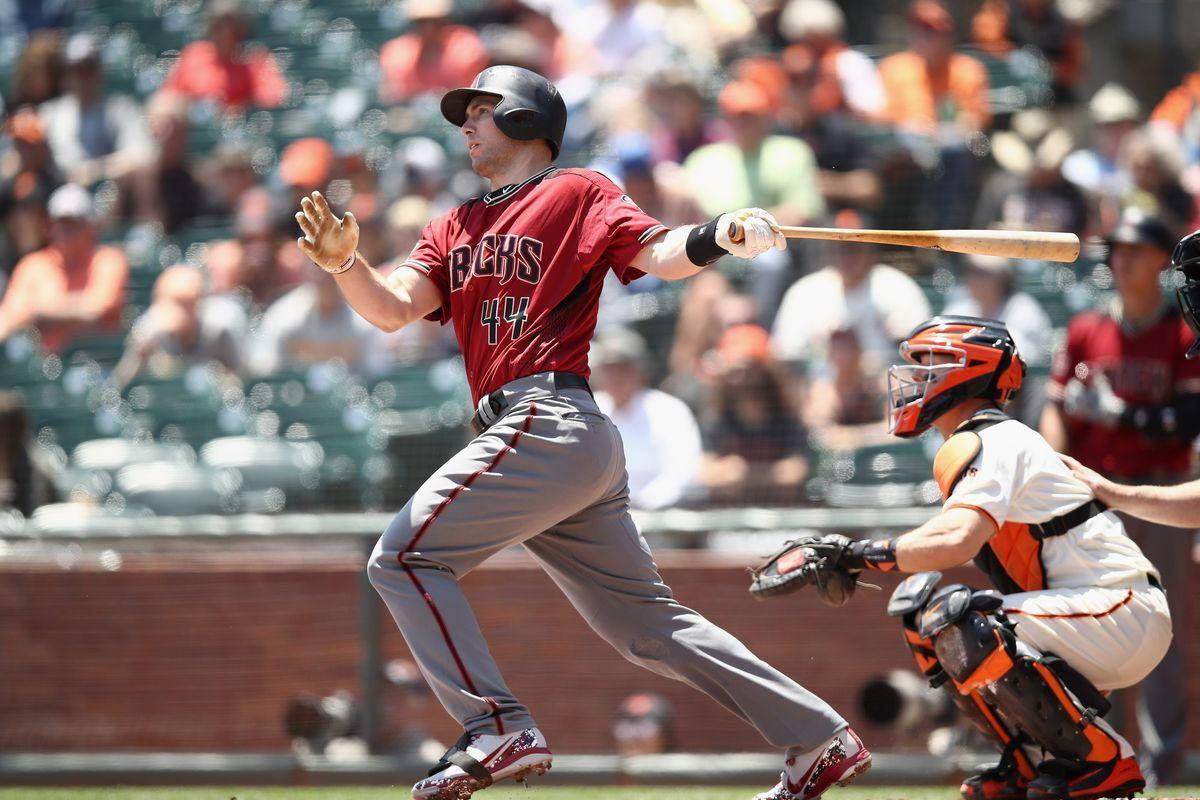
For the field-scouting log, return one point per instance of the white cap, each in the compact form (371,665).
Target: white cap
(70,200)
(1114,103)
(803,18)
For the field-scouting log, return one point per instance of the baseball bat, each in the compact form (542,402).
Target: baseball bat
(1046,245)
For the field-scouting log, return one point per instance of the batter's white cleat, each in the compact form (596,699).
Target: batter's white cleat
(478,760)
(809,775)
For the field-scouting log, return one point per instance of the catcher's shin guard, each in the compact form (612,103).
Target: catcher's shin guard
(1014,770)
(981,656)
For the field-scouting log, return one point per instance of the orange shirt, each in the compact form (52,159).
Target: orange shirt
(918,98)
(460,57)
(41,280)
(201,73)
(1179,103)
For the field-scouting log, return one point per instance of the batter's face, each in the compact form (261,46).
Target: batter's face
(486,145)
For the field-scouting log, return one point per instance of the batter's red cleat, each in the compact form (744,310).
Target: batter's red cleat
(808,776)
(1001,782)
(1060,779)
(477,761)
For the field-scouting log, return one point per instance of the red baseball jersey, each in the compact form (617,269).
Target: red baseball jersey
(520,271)
(1146,369)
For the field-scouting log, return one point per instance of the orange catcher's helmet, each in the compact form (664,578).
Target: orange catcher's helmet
(951,359)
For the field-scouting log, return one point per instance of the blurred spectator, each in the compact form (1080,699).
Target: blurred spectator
(226,177)
(1179,111)
(656,188)
(755,447)
(755,168)
(176,330)
(929,86)
(1031,192)
(39,71)
(939,96)
(841,77)
(166,190)
(662,440)
(555,53)
(1125,401)
(879,302)
(683,125)
(1114,114)
(989,293)
(643,725)
(26,181)
(709,306)
(435,54)
(1002,26)
(312,324)
(761,169)
(305,165)
(419,168)
(848,173)
(844,405)
(264,269)
(93,136)
(224,69)
(1154,159)
(70,288)
(618,30)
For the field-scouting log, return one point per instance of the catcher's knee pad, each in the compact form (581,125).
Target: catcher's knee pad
(1026,689)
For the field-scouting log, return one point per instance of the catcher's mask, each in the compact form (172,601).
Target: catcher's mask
(1186,259)
(950,359)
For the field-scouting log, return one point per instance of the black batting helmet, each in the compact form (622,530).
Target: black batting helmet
(1186,259)
(530,106)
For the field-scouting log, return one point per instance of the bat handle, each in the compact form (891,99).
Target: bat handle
(736,234)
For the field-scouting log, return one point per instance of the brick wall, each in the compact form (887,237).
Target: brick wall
(198,652)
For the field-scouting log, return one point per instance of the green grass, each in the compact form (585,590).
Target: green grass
(500,792)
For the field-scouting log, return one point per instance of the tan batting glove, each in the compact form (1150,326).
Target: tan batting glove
(759,233)
(330,243)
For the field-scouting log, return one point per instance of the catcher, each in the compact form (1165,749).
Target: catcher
(1079,610)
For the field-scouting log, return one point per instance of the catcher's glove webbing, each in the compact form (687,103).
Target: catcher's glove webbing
(829,562)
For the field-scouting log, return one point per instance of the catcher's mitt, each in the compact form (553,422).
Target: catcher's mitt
(807,561)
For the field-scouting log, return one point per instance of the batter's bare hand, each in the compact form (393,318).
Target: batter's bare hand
(330,242)
(760,232)
(1102,487)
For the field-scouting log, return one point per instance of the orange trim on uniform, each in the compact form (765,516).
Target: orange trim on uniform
(1104,748)
(993,668)
(1023,765)
(983,511)
(953,458)
(1078,615)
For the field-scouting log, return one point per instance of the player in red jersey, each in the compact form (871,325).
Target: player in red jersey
(518,272)
(1124,400)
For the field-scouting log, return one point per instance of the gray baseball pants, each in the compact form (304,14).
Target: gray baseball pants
(550,474)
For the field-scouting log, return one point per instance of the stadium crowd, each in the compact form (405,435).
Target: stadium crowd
(151,162)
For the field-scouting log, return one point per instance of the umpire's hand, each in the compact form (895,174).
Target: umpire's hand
(759,233)
(330,242)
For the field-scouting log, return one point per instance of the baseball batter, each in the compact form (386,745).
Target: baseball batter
(1079,609)
(518,272)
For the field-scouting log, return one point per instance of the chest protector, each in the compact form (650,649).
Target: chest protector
(1013,557)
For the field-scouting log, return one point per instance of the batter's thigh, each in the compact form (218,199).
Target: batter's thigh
(1114,637)
(539,464)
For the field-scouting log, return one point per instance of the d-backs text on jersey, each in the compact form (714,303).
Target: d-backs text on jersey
(502,255)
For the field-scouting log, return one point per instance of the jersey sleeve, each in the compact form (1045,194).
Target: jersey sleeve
(616,229)
(991,483)
(428,257)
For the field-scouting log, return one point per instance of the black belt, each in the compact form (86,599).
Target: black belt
(1065,522)
(492,406)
